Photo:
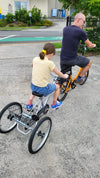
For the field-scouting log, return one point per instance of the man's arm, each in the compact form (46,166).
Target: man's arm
(90,44)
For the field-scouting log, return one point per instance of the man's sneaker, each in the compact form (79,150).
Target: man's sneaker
(79,80)
(29,107)
(57,105)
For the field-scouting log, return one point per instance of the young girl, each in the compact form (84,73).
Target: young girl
(42,67)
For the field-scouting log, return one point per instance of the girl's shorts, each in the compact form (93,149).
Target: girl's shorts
(44,90)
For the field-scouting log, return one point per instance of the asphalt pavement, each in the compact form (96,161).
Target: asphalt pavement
(73,147)
(52,33)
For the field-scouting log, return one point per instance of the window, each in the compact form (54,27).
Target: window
(20,5)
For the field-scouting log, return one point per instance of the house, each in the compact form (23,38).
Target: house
(47,6)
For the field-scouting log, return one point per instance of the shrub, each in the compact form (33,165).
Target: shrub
(47,23)
(36,15)
(91,22)
(28,23)
(38,24)
(21,15)
(94,36)
(11,25)
(3,23)
(10,18)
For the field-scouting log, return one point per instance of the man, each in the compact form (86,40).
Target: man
(71,39)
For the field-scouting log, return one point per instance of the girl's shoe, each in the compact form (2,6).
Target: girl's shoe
(57,105)
(29,107)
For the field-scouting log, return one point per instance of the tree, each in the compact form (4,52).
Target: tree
(91,7)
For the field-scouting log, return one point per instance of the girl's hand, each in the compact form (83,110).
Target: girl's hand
(66,75)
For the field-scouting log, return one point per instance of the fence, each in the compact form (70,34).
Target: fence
(90,22)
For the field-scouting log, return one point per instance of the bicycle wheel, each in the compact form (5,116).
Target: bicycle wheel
(84,78)
(39,135)
(6,116)
(62,94)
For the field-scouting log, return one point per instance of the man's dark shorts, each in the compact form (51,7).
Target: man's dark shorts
(80,61)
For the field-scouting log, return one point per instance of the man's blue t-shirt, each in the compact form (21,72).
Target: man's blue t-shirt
(71,38)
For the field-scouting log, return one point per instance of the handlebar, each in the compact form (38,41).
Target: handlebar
(83,48)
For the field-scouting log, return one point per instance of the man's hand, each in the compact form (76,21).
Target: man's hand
(94,45)
(90,44)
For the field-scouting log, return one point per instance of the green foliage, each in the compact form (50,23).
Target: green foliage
(94,7)
(21,15)
(38,23)
(47,23)
(36,15)
(91,22)
(3,23)
(91,7)
(10,18)
(28,23)
(11,25)
(94,36)
(20,24)
(57,45)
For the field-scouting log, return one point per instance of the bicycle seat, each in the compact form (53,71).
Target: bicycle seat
(66,68)
(37,94)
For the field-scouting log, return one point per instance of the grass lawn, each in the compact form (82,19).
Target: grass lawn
(19,28)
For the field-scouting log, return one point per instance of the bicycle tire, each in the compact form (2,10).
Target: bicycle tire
(39,134)
(6,116)
(84,78)
(62,94)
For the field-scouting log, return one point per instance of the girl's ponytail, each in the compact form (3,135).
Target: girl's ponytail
(42,54)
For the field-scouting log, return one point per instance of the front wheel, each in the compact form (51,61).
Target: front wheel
(6,116)
(62,92)
(84,78)
(39,135)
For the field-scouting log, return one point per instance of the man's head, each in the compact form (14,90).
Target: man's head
(79,20)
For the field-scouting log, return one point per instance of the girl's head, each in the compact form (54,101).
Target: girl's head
(47,49)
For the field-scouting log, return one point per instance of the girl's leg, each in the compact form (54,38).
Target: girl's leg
(31,99)
(56,93)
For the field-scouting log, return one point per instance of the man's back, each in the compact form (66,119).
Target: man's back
(71,38)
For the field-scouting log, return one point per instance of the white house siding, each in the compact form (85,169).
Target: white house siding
(41,4)
(9,6)
(53,4)
(4,6)
(45,6)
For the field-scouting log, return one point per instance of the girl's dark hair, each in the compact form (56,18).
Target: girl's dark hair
(49,48)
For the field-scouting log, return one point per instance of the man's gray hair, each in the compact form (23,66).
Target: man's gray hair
(79,15)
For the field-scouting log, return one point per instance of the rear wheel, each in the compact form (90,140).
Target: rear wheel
(39,135)
(6,116)
(84,78)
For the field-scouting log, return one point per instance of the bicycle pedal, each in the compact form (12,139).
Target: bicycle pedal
(73,85)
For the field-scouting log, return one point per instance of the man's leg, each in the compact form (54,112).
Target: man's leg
(85,69)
